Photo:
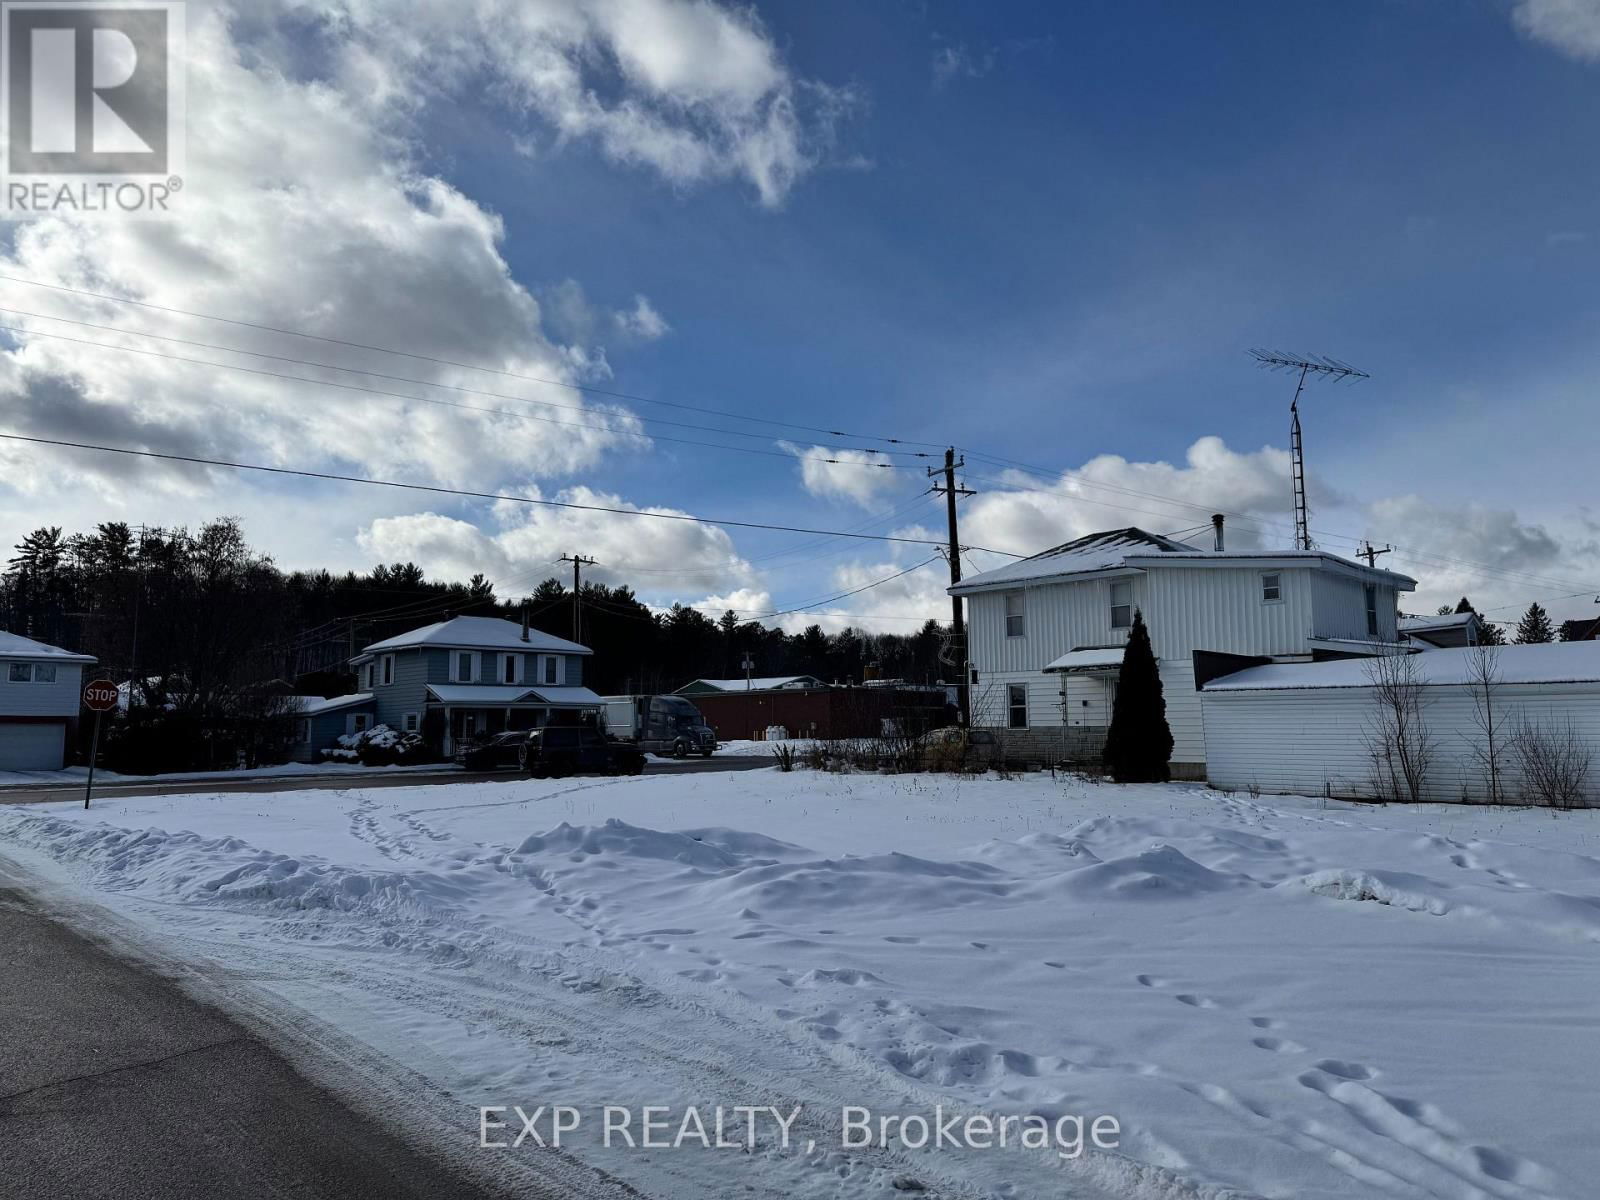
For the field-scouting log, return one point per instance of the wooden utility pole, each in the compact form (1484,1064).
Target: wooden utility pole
(1370,552)
(958,627)
(579,562)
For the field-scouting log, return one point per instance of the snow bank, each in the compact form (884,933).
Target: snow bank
(1284,998)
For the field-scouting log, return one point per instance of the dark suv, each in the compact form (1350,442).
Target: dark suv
(570,750)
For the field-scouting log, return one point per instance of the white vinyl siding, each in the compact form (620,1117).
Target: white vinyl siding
(50,697)
(1302,740)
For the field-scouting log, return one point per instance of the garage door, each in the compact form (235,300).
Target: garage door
(32,747)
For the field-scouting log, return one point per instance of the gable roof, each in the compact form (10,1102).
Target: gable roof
(14,645)
(312,706)
(475,633)
(1547,662)
(1439,621)
(1134,549)
(1581,630)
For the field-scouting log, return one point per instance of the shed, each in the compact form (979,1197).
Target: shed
(320,722)
(1304,728)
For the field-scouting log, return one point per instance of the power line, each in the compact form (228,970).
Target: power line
(497,412)
(435,489)
(324,366)
(448,362)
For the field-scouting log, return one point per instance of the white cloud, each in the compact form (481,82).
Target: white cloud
(689,89)
(1570,26)
(642,321)
(955,61)
(654,557)
(855,476)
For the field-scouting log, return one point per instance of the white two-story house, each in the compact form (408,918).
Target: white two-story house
(1046,634)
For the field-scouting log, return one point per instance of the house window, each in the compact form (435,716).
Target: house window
(463,665)
(410,722)
(1122,604)
(510,673)
(388,669)
(1372,609)
(1271,588)
(302,730)
(1014,623)
(44,672)
(360,723)
(366,677)
(550,667)
(1017,705)
(20,672)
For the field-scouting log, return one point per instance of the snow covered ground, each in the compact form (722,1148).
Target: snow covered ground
(1275,997)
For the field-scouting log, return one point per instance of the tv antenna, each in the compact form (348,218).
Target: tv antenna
(1314,365)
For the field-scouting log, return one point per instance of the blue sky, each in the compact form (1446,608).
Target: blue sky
(1048,233)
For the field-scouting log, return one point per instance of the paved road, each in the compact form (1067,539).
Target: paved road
(114,1084)
(29,794)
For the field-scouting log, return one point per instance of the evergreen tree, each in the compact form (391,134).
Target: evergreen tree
(1535,626)
(1490,634)
(1139,742)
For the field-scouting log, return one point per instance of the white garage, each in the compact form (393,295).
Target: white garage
(40,687)
(1308,728)
(32,747)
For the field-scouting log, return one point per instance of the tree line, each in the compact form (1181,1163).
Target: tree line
(198,618)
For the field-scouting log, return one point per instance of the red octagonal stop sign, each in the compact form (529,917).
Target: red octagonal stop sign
(100,695)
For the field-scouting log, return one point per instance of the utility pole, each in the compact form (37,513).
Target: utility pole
(958,627)
(1370,552)
(579,562)
(1321,367)
(749,665)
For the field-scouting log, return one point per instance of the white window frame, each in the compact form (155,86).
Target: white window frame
(474,662)
(1012,691)
(1370,599)
(387,674)
(550,675)
(1019,616)
(1115,584)
(19,672)
(366,676)
(1276,587)
(411,722)
(44,672)
(360,722)
(512,665)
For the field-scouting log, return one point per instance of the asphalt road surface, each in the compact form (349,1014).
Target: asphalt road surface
(115,1085)
(31,794)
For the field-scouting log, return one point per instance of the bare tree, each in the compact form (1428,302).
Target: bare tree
(1489,750)
(1554,763)
(1399,745)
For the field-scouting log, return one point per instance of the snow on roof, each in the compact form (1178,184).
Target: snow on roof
(14,645)
(1436,621)
(760,683)
(1134,548)
(1096,658)
(1553,662)
(310,706)
(476,633)
(1093,552)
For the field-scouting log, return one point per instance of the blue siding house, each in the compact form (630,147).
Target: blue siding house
(471,676)
(320,723)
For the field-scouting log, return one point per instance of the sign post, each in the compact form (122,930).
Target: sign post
(99,697)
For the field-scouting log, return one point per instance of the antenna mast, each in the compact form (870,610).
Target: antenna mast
(1320,365)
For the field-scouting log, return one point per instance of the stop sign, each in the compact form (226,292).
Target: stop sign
(100,695)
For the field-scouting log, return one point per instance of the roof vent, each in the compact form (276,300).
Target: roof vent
(1216,529)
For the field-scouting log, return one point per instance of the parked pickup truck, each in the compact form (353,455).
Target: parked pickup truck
(572,750)
(659,725)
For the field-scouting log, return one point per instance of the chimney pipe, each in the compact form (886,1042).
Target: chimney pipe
(1216,528)
(524,620)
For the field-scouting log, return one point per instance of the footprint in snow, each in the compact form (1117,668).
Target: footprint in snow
(1277,1045)
(1149,981)
(1194,1001)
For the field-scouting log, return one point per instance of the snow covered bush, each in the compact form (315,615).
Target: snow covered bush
(379,746)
